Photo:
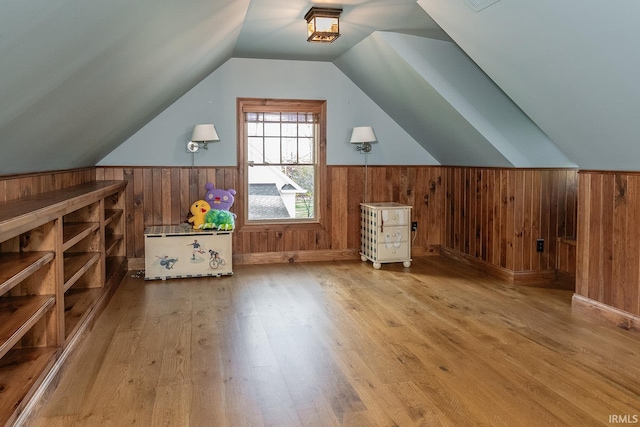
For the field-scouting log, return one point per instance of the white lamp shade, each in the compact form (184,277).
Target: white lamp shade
(203,133)
(362,134)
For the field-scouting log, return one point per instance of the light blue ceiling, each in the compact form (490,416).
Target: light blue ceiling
(79,77)
(571,66)
(446,103)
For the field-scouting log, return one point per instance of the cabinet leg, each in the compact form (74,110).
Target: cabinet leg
(377,265)
(363,258)
(406,264)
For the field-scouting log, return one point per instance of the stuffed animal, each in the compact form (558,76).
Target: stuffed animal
(199,209)
(219,219)
(219,198)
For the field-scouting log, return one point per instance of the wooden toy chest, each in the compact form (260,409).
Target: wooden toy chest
(176,251)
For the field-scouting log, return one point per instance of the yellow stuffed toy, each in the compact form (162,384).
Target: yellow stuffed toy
(199,209)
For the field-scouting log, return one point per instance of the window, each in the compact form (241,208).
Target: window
(281,156)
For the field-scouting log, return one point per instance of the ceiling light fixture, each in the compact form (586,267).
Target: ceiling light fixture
(323,24)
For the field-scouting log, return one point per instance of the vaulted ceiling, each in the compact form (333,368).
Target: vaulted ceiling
(514,84)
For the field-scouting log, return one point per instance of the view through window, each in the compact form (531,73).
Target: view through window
(281,153)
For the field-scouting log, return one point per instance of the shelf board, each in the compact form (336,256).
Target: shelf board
(27,213)
(18,315)
(112,265)
(110,215)
(76,264)
(73,232)
(20,371)
(77,305)
(16,267)
(110,242)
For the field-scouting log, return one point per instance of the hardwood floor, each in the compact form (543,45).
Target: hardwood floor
(328,344)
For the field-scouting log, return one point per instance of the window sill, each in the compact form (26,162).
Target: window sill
(284,226)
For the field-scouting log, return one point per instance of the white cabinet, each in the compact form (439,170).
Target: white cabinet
(173,251)
(385,230)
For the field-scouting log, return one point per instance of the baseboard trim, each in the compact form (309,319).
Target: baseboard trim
(543,278)
(566,280)
(295,256)
(620,318)
(299,256)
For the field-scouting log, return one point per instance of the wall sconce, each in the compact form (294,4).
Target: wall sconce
(204,134)
(323,24)
(363,135)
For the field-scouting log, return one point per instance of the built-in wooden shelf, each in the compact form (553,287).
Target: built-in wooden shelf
(20,371)
(16,267)
(77,305)
(111,214)
(74,232)
(115,265)
(53,269)
(110,242)
(18,315)
(27,213)
(76,264)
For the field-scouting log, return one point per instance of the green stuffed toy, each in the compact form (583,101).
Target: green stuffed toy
(218,219)
(213,212)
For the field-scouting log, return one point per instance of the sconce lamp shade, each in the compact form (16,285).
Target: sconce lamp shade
(323,24)
(204,134)
(363,135)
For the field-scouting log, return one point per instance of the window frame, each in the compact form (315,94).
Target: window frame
(319,107)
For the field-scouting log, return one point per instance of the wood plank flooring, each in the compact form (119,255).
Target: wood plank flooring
(342,344)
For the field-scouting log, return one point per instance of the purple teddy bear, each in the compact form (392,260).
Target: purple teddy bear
(218,198)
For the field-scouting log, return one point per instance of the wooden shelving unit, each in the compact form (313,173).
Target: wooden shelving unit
(75,266)
(62,254)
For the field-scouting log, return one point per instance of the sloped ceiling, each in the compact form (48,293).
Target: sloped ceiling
(571,66)
(78,77)
(449,106)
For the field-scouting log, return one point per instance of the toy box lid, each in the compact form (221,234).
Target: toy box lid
(183,229)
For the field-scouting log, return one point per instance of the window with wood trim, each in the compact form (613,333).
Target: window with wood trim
(281,161)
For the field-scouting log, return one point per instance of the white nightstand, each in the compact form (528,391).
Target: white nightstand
(385,230)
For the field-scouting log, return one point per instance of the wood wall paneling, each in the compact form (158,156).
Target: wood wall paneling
(608,249)
(489,214)
(492,215)
(497,215)
(157,196)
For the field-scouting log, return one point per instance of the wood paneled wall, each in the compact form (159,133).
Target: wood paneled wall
(422,187)
(496,215)
(13,187)
(608,250)
(492,215)
(158,196)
